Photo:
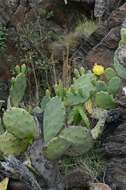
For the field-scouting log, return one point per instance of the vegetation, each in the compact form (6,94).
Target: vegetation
(67,114)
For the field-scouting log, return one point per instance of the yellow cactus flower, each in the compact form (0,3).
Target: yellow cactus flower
(98,69)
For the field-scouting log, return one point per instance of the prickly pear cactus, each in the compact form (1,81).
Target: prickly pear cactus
(110,73)
(98,129)
(10,145)
(84,117)
(101,86)
(20,130)
(54,117)
(20,123)
(80,138)
(73,135)
(123,36)
(60,90)
(72,141)
(81,89)
(119,57)
(56,148)
(72,99)
(84,82)
(114,85)
(120,69)
(45,100)
(17,89)
(104,100)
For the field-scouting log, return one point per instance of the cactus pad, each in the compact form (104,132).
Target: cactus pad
(54,117)
(101,86)
(85,82)
(104,100)
(10,145)
(56,148)
(18,89)
(80,139)
(20,123)
(44,102)
(110,73)
(114,85)
(75,99)
(120,69)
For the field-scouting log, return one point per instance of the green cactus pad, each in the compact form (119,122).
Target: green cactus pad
(75,99)
(120,69)
(80,138)
(84,117)
(110,73)
(54,117)
(101,86)
(99,113)
(44,102)
(20,123)
(123,37)
(60,90)
(98,129)
(85,83)
(73,116)
(56,148)
(114,85)
(18,89)
(10,145)
(104,100)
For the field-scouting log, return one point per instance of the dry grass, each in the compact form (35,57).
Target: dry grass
(86,28)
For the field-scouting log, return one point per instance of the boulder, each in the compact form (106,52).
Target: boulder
(115,149)
(103,52)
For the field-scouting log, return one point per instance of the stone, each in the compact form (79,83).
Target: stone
(103,51)
(114,145)
(121,55)
(99,186)
(78,178)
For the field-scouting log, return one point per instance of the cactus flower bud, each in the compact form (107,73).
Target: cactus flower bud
(48,93)
(76,73)
(12,80)
(82,71)
(23,68)
(73,90)
(17,69)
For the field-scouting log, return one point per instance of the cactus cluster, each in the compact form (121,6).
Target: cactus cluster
(67,116)
(119,56)
(87,86)
(20,129)
(62,139)
(67,124)
(18,85)
(108,90)
(59,139)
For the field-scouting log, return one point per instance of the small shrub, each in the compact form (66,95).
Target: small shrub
(86,28)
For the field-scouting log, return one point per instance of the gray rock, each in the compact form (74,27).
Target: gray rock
(115,150)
